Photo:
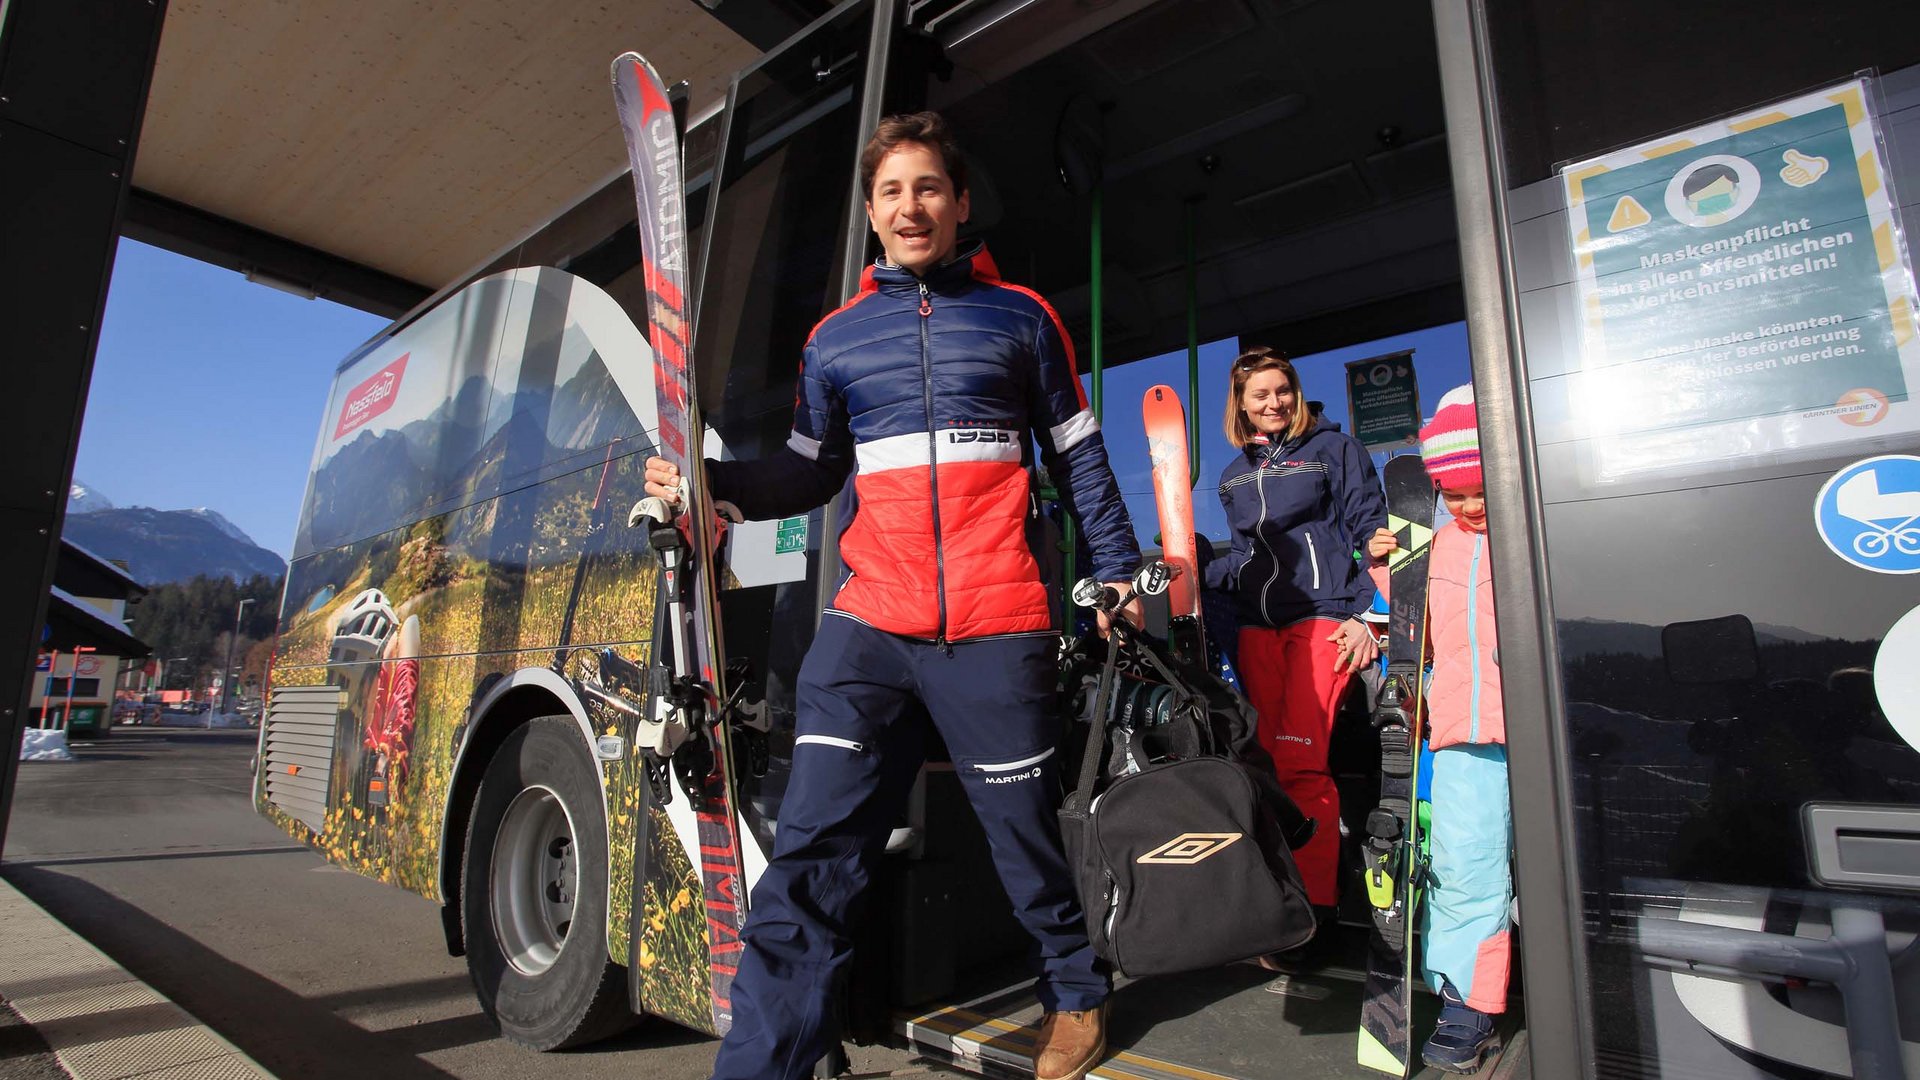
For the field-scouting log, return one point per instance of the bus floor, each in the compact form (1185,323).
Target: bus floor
(1237,1023)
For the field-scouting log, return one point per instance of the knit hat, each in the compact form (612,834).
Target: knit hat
(1450,442)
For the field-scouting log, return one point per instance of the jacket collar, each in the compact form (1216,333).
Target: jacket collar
(970,262)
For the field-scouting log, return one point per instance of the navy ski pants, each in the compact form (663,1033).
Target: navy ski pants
(858,746)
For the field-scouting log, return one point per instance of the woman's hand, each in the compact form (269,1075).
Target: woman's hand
(1382,544)
(1358,648)
(663,480)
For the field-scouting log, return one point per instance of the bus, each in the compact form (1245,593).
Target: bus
(1700,459)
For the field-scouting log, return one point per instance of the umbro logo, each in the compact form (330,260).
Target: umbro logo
(1189,848)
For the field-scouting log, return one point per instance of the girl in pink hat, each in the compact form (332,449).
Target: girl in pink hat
(1470,887)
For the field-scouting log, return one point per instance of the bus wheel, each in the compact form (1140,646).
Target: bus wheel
(534,892)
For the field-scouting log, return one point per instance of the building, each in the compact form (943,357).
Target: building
(86,644)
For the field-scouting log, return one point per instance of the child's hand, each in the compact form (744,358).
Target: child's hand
(1382,544)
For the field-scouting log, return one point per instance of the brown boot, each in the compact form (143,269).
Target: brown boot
(1070,1044)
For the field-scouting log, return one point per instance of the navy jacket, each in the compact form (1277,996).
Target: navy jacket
(1298,511)
(933,391)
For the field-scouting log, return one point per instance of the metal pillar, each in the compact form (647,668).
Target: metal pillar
(1554,958)
(73,87)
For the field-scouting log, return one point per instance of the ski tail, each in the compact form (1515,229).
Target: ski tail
(1165,421)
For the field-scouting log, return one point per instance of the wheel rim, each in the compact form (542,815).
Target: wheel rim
(535,880)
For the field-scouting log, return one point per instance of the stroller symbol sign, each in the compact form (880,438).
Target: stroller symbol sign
(1869,514)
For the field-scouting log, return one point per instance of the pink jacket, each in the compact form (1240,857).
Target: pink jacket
(1463,700)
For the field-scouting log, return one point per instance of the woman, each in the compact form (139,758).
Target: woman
(1301,497)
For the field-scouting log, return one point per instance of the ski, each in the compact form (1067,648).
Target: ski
(1166,427)
(1391,859)
(691,702)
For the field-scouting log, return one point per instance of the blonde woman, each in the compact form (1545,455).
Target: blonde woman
(1301,498)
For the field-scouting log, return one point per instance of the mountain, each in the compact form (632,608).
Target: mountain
(172,545)
(213,517)
(82,499)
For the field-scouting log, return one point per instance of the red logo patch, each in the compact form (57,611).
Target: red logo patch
(372,397)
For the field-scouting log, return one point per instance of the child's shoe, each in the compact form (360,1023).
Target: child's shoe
(1463,1037)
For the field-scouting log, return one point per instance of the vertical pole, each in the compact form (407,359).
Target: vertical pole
(1193,349)
(75,75)
(46,690)
(1546,874)
(1099,300)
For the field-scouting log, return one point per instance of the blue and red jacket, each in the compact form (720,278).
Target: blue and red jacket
(1299,509)
(933,391)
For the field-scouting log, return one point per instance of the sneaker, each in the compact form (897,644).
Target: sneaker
(1463,1037)
(1070,1044)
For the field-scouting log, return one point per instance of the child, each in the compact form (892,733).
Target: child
(1469,886)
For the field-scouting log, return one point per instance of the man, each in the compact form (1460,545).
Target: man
(929,385)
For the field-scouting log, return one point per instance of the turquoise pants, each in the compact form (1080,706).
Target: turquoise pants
(1464,918)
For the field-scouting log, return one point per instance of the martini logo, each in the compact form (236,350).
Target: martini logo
(1189,848)
(371,398)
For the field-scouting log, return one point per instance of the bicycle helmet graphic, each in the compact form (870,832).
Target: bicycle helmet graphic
(366,623)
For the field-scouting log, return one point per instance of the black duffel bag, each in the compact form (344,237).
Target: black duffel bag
(1183,861)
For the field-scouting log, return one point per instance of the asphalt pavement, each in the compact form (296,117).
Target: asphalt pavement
(148,847)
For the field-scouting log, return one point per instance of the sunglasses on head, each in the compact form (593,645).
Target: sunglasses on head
(1255,359)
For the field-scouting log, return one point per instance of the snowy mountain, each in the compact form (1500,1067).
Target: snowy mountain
(82,499)
(213,518)
(172,545)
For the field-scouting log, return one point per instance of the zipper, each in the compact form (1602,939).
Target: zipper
(830,740)
(1010,766)
(1313,557)
(933,471)
(1473,635)
(1260,484)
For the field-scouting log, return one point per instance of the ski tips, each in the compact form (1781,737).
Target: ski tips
(630,73)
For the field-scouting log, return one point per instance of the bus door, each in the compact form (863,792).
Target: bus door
(1695,354)
(773,259)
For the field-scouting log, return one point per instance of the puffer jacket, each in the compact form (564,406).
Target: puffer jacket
(1299,510)
(1463,700)
(933,391)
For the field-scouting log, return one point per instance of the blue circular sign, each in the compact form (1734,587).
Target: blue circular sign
(1869,514)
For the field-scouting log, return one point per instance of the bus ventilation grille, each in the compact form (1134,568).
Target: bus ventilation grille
(299,749)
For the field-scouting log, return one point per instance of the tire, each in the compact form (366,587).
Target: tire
(533,893)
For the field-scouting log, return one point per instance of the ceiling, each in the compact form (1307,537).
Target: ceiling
(1306,138)
(411,138)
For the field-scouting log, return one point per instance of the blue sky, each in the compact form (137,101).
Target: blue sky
(207,391)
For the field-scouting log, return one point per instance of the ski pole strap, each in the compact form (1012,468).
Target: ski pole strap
(1097,736)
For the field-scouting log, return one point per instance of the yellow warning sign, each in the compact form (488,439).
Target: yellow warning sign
(1628,214)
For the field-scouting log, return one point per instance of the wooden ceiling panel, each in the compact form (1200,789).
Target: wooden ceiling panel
(412,136)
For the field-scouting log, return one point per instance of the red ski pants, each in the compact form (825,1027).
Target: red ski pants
(1290,678)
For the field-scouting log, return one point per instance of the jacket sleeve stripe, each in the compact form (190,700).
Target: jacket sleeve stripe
(804,446)
(1079,426)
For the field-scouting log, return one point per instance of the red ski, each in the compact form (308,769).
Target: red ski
(1166,426)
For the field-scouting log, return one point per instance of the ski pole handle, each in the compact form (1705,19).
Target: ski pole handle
(1153,578)
(1092,594)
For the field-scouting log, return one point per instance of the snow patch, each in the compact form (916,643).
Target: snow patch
(213,518)
(82,499)
(45,744)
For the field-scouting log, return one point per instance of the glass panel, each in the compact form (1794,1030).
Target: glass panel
(772,274)
(1726,667)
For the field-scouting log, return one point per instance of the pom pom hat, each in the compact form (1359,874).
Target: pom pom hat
(1450,443)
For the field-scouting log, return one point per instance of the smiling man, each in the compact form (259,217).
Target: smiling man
(931,386)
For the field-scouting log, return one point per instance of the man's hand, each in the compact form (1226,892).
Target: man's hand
(663,480)
(1135,614)
(1382,544)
